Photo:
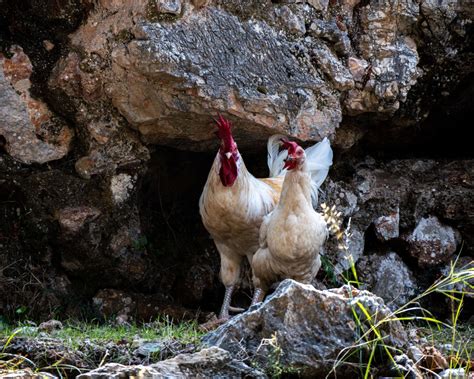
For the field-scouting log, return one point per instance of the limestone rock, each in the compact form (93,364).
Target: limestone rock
(389,277)
(387,227)
(33,134)
(169,6)
(212,362)
(384,40)
(26,374)
(453,373)
(168,78)
(309,327)
(432,243)
(50,326)
(72,219)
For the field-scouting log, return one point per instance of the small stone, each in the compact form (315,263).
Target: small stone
(433,359)
(85,167)
(48,45)
(401,364)
(72,219)
(148,348)
(200,3)
(319,5)
(453,373)
(121,186)
(169,6)
(387,227)
(50,326)
(415,353)
(293,23)
(27,373)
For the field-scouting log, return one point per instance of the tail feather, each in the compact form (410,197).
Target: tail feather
(276,157)
(318,158)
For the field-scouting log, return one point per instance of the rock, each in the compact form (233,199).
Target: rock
(48,45)
(402,365)
(26,374)
(320,5)
(33,134)
(433,243)
(385,41)
(291,321)
(169,6)
(50,326)
(132,306)
(453,373)
(121,186)
(167,79)
(72,219)
(212,362)
(333,68)
(148,348)
(415,353)
(389,277)
(433,359)
(293,23)
(387,227)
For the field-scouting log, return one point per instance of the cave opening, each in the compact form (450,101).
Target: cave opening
(184,255)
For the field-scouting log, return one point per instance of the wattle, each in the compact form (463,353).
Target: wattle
(228,172)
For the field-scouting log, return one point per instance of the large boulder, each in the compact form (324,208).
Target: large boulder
(299,328)
(294,68)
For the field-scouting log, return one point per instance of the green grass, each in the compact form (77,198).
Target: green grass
(75,332)
(79,346)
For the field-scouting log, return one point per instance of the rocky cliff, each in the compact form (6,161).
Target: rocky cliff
(106,139)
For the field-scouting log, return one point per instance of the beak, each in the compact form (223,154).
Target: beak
(288,161)
(228,155)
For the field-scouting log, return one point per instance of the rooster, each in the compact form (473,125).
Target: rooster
(292,235)
(234,202)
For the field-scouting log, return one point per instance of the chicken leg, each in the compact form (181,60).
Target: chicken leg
(258,296)
(224,313)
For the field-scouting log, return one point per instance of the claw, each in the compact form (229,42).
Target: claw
(236,309)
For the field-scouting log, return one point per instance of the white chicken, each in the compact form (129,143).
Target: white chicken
(292,235)
(234,202)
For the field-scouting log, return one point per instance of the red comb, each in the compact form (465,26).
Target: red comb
(289,145)
(224,132)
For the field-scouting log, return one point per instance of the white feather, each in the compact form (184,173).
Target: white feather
(318,160)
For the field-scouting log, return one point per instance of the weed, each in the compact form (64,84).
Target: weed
(372,341)
(275,368)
